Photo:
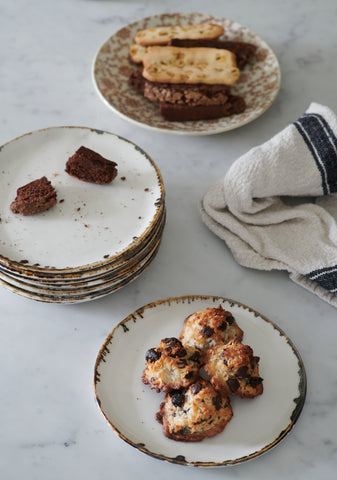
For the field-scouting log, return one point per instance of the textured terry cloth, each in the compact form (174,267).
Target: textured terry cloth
(276,208)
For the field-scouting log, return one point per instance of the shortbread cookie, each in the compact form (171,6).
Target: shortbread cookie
(234,370)
(243,51)
(171,366)
(136,53)
(190,65)
(192,414)
(90,166)
(205,328)
(34,197)
(182,113)
(161,35)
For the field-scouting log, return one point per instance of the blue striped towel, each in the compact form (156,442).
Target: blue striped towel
(276,207)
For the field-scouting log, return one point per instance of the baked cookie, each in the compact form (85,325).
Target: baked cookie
(234,370)
(190,65)
(161,35)
(192,414)
(205,328)
(244,52)
(171,365)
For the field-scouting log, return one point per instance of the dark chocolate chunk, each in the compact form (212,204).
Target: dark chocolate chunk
(217,401)
(233,384)
(195,388)
(195,357)
(177,398)
(207,331)
(223,326)
(255,381)
(242,372)
(174,347)
(152,355)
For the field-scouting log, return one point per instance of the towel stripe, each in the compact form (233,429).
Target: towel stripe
(325,277)
(322,143)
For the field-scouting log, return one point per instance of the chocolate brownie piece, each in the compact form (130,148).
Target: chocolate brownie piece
(137,81)
(243,51)
(36,196)
(182,113)
(90,166)
(185,94)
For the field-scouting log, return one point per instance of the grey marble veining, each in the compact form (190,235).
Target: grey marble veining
(51,427)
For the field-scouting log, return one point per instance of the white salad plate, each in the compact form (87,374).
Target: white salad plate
(259,81)
(104,233)
(257,425)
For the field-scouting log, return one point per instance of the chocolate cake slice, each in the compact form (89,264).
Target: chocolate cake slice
(36,196)
(90,166)
(137,81)
(182,113)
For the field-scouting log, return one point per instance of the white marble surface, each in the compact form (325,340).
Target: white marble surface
(51,427)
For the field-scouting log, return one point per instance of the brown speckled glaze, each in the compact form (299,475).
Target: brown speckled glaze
(259,82)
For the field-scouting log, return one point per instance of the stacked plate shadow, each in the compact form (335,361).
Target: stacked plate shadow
(97,238)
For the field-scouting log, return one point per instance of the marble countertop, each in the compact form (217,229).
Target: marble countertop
(51,427)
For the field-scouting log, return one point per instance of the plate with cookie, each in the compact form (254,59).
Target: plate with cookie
(187,73)
(200,380)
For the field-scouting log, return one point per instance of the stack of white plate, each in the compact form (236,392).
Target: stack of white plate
(97,238)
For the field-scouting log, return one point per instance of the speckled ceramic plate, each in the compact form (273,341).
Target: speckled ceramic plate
(257,425)
(84,295)
(259,82)
(92,225)
(92,275)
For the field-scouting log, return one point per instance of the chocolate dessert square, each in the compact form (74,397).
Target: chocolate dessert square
(90,166)
(182,113)
(36,196)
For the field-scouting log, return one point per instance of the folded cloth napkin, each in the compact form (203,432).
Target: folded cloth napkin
(276,207)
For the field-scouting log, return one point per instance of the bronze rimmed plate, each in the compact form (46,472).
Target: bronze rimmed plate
(257,425)
(95,224)
(259,82)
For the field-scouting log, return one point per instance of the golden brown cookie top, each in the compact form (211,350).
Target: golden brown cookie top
(194,413)
(205,328)
(171,365)
(234,370)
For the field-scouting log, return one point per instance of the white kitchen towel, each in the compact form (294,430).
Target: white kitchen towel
(276,208)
